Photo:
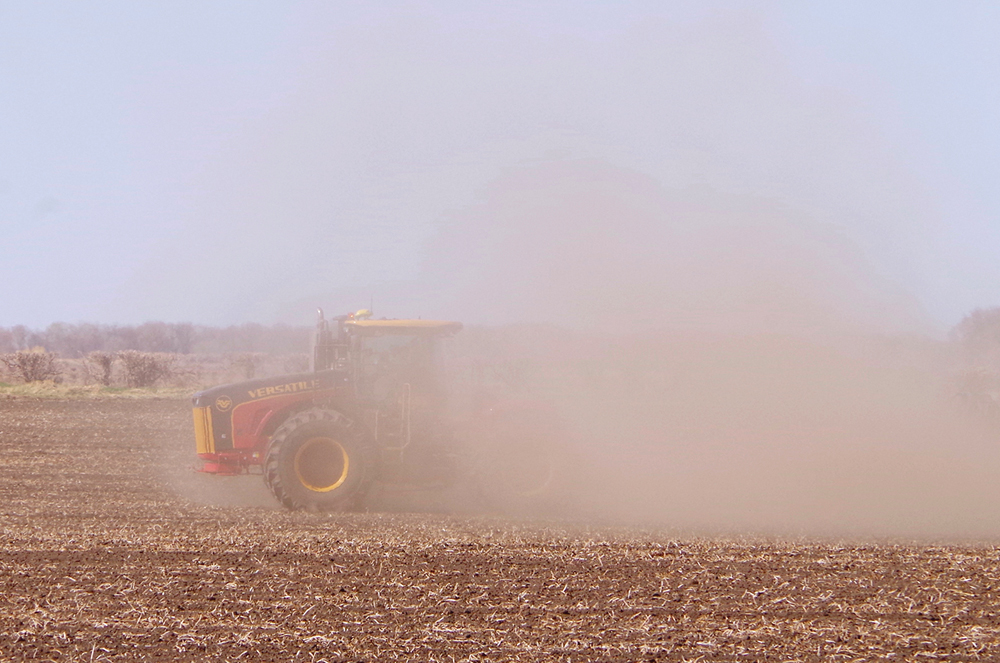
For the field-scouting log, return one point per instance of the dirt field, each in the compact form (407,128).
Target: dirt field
(112,549)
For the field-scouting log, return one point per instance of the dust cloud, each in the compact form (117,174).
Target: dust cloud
(706,281)
(725,363)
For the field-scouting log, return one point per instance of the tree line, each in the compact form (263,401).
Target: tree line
(78,340)
(978,334)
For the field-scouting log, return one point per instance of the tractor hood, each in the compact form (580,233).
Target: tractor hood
(224,397)
(234,415)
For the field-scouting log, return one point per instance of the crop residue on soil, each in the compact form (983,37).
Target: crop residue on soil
(103,560)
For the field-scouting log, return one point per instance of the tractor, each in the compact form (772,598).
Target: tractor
(374,410)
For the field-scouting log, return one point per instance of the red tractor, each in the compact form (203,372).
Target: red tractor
(374,409)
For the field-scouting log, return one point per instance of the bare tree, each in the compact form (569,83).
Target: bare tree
(144,369)
(978,334)
(104,363)
(22,337)
(7,340)
(249,363)
(184,334)
(32,365)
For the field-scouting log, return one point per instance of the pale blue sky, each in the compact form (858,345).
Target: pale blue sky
(214,161)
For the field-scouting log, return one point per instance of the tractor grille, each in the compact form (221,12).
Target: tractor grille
(203,430)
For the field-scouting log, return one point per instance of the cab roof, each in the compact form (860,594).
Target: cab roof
(403,326)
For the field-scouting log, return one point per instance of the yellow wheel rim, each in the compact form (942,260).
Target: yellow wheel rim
(321,464)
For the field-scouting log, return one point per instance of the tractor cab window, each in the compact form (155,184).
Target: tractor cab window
(389,361)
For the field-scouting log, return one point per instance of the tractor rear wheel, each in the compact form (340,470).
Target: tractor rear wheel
(318,460)
(519,475)
(523,461)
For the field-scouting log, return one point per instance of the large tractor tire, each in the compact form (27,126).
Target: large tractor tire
(319,460)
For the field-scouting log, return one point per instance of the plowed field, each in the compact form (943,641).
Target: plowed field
(111,549)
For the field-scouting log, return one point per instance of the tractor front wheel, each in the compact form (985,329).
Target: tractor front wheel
(318,460)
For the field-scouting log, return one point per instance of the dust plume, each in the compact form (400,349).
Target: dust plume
(410,133)
(589,246)
(666,229)
(725,362)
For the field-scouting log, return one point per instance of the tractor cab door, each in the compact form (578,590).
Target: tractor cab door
(398,382)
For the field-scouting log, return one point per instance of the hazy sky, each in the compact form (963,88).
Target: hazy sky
(213,162)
